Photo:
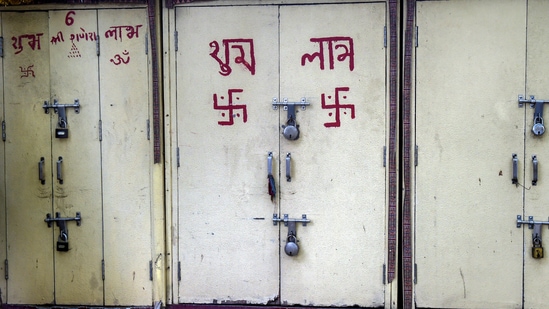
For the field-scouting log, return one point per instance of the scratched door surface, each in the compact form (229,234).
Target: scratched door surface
(101,170)
(337,173)
(470,67)
(228,72)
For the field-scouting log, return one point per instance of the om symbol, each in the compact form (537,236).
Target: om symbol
(118,59)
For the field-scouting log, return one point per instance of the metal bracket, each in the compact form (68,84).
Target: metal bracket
(538,127)
(291,248)
(287,220)
(531,223)
(63,239)
(537,247)
(291,129)
(61,131)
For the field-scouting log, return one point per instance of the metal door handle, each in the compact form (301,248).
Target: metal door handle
(41,175)
(288,167)
(515,169)
(59,170)
(271,182)
(535,165)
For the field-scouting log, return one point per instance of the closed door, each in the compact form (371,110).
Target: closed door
(240,164)
(66,117)
(474,147)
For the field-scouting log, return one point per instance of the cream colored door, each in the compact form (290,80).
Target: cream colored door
(231,62)
(227,245)
(469,69)
(126,157)
(337,173)
(74,75)
(26,71)
(101,170)
(536,197)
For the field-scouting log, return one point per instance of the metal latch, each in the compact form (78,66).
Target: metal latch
(291,248)
(62,130)
(291,128)
(538,128)
(63,239)
(537,248)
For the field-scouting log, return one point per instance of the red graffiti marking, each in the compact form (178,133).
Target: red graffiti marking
(230,108)
(333,45)
(28,71)
(33,41)
(74,53)
(244,47)
(83,36)
(115,32)
(117,59)
(337,106)
(69,20)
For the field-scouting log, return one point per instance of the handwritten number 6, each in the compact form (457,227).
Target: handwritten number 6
(69,20)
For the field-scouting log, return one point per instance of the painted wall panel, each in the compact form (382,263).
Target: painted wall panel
(470,64)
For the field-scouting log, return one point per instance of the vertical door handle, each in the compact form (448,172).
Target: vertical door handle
(288,167)
(535,166)
(271,182)
(41,175)
(59,170)
(515,169)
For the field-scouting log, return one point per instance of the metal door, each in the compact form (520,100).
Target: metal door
(53,63)
(469,69)
(536,195)
(231,62)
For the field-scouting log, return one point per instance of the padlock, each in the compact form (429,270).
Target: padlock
(61,133)
(62,246)
(63,241)
(538,129)
(290,132)
(537,249)
(291,248)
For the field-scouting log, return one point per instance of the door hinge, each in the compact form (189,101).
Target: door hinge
(417,36)
(384,273)
(146,43)
(415,273)
(179,271)
(3,130)
(103,269)
(148,129)
(6,272)
(97,47)
(176,40)
(416,156)
(100,130)
(384,36)
(2,46)
(151,270)
(384,156)
(177,156)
